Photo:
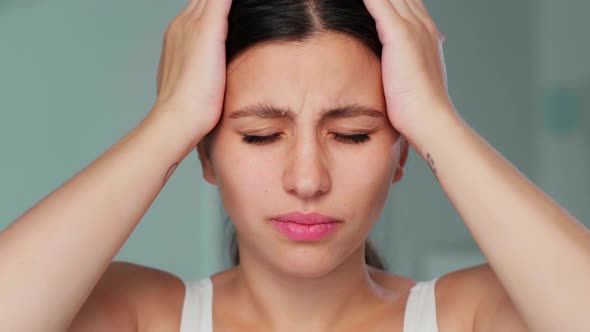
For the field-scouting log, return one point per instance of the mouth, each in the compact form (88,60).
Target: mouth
(305,219)
(305,227)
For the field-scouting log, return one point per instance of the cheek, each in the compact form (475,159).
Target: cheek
(243,178)
(368,168)
(363,182)
(246,169)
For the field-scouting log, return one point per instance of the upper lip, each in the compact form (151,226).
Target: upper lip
(305,219)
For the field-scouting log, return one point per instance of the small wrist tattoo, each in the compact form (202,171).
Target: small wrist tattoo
(431,164)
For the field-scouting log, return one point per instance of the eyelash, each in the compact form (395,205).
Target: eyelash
(351,139)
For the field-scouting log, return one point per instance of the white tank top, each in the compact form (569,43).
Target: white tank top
(197,311)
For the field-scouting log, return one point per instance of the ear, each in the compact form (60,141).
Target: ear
(205,158)
(404,150)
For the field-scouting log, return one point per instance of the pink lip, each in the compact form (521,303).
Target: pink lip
(305,227)
(305,219)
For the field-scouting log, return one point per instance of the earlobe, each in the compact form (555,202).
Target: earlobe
(204,157)
(404,151)
(399,174)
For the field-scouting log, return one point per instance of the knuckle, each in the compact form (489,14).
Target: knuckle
(174,25)
(431,26)
(165,37)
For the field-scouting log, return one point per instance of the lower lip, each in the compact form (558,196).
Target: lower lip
(300,232)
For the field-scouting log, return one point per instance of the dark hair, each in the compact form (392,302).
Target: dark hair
(252,22)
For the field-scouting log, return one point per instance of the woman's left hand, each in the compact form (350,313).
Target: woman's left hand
(413,68)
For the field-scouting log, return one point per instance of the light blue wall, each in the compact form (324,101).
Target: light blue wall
(76,76)
(488,50)
(563,99)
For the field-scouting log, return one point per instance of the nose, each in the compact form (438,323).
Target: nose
(306,174)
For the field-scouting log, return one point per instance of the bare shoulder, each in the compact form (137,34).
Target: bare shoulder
(156,295)
(459,295)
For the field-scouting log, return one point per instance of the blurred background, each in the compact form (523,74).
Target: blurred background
(77,76)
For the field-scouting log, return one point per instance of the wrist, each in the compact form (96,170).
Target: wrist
(179,118)
(440,121)
(185,130)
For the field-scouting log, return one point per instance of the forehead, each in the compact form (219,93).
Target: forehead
(330,68)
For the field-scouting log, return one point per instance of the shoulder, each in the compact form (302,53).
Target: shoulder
(471,296)
(156,296)
(458,295)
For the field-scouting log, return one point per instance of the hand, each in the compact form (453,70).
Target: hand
(413,69)
(192,70)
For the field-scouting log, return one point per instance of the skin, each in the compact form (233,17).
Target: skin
(280,283)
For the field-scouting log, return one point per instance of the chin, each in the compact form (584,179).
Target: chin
(307,263)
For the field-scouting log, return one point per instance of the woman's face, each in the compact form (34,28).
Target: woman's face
(304,165)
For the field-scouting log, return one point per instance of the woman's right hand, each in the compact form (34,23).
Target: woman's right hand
(71,236)
(192,70)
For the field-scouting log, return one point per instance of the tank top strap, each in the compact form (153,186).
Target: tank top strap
(197,313)
(420,314)
(197,310)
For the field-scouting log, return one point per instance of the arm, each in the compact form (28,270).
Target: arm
(533,245)
(130,297)
(111,304)
(56,252)
(539,252)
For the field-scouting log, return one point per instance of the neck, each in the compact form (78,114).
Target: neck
(294,303)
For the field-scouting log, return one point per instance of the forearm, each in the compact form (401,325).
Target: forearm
(53,255)
(540,253)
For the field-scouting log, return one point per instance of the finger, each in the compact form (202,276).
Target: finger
(384,14)
(443,65)
(418,9)
(159,77)
(189,7)
(401,6)
(217,9)
(198,10)
(420,4)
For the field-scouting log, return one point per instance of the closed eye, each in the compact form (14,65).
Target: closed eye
(350,139)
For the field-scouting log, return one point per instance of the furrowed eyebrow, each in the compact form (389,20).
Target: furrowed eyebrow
(269,111)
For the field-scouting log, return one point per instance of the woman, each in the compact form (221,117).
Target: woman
(319,110)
